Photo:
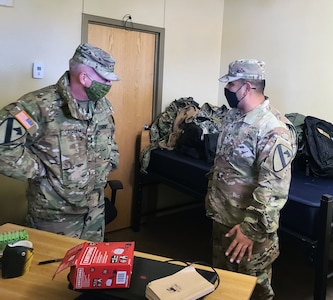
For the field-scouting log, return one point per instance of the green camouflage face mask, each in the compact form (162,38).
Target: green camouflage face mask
(97,90)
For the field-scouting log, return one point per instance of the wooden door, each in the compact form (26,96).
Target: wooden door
(132,100)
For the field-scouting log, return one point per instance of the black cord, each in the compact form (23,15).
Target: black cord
(177,260)
(203,263)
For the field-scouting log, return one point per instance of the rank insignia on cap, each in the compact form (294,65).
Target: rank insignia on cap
(282,157)
(11,130)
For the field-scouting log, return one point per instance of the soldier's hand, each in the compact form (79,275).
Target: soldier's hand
(240,245)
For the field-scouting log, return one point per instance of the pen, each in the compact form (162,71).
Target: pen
(44,262)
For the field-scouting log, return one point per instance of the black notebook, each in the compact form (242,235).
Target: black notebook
(144,271)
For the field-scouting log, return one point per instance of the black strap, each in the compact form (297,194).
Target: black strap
(9,129)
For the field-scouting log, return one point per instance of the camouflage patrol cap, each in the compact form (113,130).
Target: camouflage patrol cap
(96,58)
(250,69)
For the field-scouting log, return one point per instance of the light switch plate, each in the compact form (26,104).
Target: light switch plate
(38,70)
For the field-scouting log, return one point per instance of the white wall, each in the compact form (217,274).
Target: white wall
(148,12)
(36,30)
(193,43)
(294,38)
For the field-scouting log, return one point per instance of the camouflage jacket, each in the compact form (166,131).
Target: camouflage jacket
(249,181)
(162,130)
(68,159)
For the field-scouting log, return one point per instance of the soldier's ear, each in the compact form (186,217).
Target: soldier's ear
(247,86)
(83,78)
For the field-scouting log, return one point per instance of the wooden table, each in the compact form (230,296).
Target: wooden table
(38,284)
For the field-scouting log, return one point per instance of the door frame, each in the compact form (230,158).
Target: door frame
(159,50)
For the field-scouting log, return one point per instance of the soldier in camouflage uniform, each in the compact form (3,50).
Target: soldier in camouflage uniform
(250,178)
(62,140)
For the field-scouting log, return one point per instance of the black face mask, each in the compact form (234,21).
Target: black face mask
(232,97)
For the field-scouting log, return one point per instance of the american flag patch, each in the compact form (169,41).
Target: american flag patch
(25,119)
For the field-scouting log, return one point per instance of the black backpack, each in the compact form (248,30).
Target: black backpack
(317,152)
(300,161)
(190,142)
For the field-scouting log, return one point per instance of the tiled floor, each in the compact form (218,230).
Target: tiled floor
(186,236)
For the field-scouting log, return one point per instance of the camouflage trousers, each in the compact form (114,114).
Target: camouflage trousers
(89,226)
(260,265)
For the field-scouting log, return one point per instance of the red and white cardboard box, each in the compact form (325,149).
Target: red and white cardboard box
(101,265)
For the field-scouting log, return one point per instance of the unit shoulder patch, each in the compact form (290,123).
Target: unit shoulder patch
(11,130)
(280,156)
